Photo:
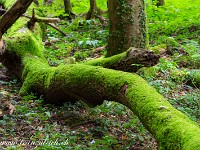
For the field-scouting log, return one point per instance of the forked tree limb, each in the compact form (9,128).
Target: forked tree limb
(36,18)
(47,21)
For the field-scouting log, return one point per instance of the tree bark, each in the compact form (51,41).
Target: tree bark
(95,12)
(92,84)
(127,26)
(68,8)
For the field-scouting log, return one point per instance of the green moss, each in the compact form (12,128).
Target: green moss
(106,62)
(25,44)
(36,78)
(147,72)
(159,48)
(18,26)
(171,128)
(38,30)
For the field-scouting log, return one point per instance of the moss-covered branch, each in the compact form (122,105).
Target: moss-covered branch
(129,61)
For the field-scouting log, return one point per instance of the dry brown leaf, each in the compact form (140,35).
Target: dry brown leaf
(11,108)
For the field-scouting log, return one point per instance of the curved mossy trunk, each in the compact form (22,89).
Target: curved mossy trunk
(172,129)
(127,26)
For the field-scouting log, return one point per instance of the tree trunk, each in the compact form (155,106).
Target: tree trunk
(67,5)
(23,55)
(127,26)
(68,8)
(95,12)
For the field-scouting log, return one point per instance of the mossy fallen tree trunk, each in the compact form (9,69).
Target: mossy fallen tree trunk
(23,56)
(130,61)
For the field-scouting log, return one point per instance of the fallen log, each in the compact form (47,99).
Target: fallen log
(131,60)
(22,54)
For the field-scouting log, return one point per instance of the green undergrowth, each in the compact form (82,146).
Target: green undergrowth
(172,30)
(72,126)
(83,36)
(79,43)
(179,19)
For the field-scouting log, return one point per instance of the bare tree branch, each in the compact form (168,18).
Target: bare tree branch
(47,21)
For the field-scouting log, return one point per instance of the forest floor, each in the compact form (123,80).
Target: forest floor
(29,123)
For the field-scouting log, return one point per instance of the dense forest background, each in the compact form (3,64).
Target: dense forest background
(174,33)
